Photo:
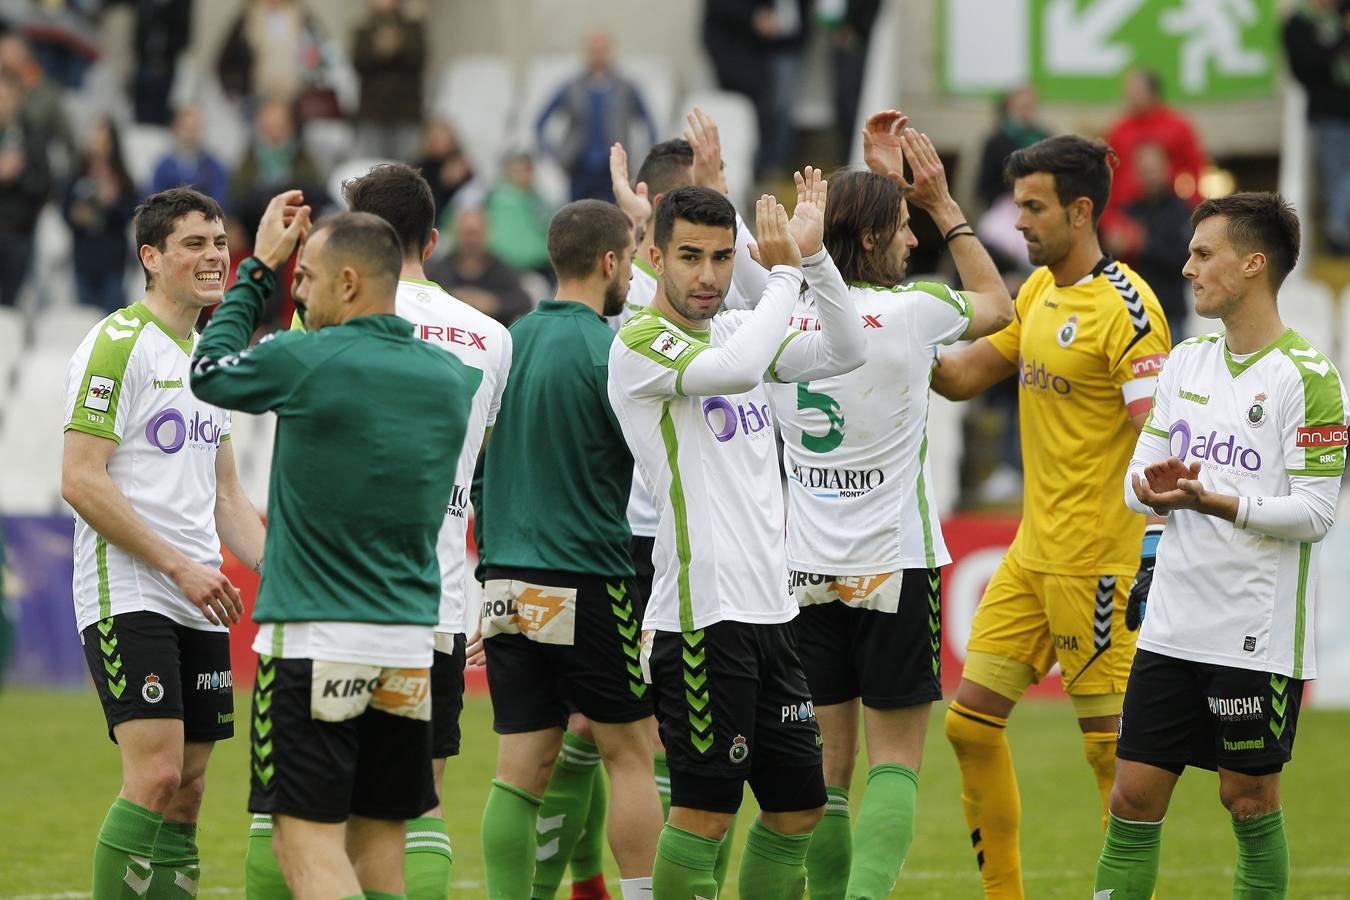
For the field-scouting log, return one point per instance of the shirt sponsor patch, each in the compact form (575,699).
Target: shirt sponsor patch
(669,346)
(100,393)
(1322,436)
(1147,365)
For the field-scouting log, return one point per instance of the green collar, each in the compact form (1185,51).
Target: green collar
(1237,367)
(140,309)
(568,307)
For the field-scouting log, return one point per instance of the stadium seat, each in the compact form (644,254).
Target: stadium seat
(12,329)
(738,130)
(328,141)
(1308,307)
(476,94)
(655,79)
(142,148)
(252,438)
(31,435)
(61,328)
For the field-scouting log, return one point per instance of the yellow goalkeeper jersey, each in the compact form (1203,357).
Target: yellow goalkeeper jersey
(1088,356)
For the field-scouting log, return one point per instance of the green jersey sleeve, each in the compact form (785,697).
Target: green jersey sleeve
(108,382)
(225,372)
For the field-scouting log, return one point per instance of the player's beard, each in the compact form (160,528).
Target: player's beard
(679,299)
(615,295)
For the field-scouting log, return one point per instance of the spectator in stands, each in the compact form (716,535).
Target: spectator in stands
(738,52)
(518,217)
(474,275)
(783,27)
(599,108)
(1317,41)
(24,185)
(42,105)
(277,51)
(189,163)
(850,26)
(275,160)
(99,204)
(1017,128)
(388,53)
(163,28)
(443,164)
(1154,236)
(1147,120)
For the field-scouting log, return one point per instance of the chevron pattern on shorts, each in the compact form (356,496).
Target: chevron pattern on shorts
(696,693)
(1134,304)
(630,636)
(1279,705)
(1101,613)
(112,658)
(935,618)
(264,767)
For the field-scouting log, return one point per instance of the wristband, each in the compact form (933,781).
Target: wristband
(957,235)
(951,232)
(1152,535)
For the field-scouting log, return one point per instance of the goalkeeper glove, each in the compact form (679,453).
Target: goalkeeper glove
(1136,606)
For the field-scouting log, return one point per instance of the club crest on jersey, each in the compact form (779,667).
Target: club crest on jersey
(740,749)
(1067,332)
(669,346)
(100,393)
(152,691)
(1256,413)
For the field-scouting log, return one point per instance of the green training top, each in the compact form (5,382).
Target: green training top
(557,471)
(370,421)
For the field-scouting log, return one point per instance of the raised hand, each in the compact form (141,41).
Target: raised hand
(807,225)
(631,199)
(929,189)
(707,145)
(284,224)
(881,143)
(775,246)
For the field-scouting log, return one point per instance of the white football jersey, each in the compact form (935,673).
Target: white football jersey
(128,382)
(855,446)
(642,513)
(484,345)
(719,546)
(1222,594)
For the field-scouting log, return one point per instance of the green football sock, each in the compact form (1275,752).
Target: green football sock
(426,859)
(724,853)
(563,812)
(831,852)
(126,844)
(588,857)
(663,783)
(1263,858)
(885,830)
(176,862)
(773,866)
(262,875)
(1128,866)
(684,865)
(509,840)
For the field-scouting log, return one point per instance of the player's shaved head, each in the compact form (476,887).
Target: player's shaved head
(401,196)
(364,241)
(697,205)
(863,208)
(669,165)
(1080,167)
(1258,222)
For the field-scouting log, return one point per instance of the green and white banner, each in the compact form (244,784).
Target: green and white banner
(1079,49)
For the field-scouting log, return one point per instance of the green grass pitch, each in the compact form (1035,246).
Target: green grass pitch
(59,773)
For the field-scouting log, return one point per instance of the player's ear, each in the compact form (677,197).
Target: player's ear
(350,280)
(869,241)
(1081,211)
(431,244)
(1254,264)
(150,259)
(656,259)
